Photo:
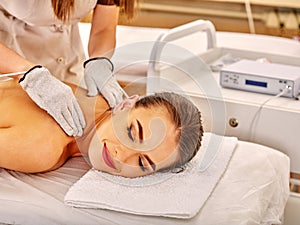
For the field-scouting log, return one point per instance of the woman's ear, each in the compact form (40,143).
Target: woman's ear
(126,103)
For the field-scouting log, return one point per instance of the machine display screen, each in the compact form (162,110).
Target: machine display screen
(256,83)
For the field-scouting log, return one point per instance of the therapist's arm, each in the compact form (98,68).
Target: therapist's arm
(10,61)
(103,31)
(98,70)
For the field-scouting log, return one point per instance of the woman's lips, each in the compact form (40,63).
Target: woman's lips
(107,158)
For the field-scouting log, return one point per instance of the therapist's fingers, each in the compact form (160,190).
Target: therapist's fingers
(79,114)
(91,86)
(64,123)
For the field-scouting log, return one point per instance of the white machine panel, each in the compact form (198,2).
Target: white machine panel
(268,78)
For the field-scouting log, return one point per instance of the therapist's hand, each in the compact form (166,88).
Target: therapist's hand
(99,78)
(54,97)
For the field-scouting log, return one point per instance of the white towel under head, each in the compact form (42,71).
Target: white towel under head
(178,195)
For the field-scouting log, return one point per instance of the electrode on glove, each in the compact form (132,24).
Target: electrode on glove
(99,78)
(55,97)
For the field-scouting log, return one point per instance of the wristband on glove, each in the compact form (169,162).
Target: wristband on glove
(22,78)
(97,58)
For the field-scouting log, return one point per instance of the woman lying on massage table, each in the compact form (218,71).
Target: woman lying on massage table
(136,138)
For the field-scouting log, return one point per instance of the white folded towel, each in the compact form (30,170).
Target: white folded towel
(178,195)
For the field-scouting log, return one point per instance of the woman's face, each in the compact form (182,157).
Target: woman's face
(134,141)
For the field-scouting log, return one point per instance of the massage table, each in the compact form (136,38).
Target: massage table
(253,190)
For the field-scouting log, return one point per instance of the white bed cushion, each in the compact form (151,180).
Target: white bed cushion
(253,190)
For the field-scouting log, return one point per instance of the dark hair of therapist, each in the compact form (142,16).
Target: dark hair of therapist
(42,39)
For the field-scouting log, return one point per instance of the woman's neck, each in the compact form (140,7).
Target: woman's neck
(95,110)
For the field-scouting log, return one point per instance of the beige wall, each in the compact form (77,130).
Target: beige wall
(226,16)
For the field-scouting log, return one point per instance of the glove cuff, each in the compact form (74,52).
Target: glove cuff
(22,78)
(99,58)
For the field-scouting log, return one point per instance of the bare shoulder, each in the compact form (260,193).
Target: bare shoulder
(30,139)
(30,151)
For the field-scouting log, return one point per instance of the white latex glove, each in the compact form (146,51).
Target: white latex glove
(99,78)
(54,97)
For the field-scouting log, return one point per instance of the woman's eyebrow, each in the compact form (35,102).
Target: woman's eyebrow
(140,130)
(152,164)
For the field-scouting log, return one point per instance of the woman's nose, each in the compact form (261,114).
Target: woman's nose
(123,154)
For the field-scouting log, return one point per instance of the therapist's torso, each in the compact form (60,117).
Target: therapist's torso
(30,28)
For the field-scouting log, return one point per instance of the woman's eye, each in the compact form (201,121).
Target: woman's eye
(143,168)
(132,133)
(129,133)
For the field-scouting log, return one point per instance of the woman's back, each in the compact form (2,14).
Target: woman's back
(30,139)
